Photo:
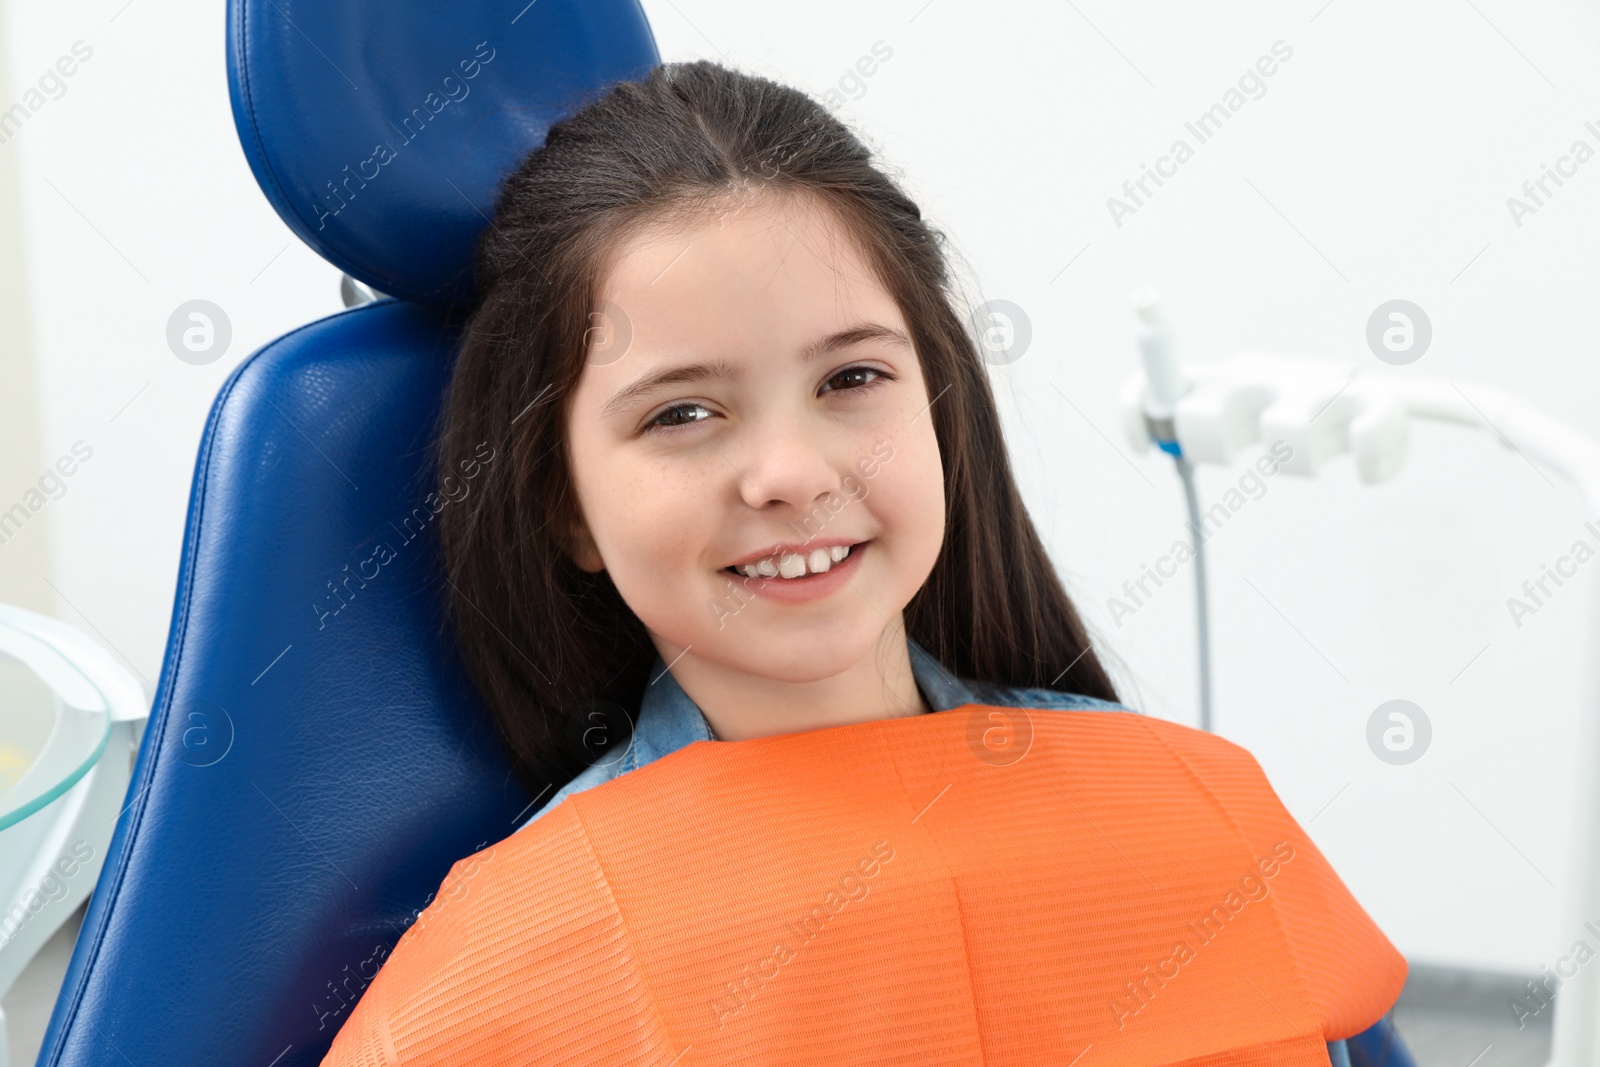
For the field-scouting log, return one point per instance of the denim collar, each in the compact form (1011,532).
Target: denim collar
(669,719)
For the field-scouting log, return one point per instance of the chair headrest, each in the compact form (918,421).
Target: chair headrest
(381,132)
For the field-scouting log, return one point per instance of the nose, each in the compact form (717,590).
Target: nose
(788,463)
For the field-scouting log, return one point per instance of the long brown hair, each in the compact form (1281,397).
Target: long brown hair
(555,651)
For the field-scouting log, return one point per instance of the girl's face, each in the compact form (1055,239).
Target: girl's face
(751,393)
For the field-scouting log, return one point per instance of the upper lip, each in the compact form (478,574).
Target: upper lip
(777,551)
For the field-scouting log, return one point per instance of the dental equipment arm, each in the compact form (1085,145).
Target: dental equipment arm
(1322,407)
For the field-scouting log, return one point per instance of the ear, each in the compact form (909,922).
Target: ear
(582,549)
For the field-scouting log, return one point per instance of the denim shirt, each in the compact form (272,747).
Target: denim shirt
(669,719)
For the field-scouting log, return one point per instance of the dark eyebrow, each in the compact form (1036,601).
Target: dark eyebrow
(695,372)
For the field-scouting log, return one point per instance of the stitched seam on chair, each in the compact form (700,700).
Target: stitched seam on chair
(248,97)
(332,254)
(183,598)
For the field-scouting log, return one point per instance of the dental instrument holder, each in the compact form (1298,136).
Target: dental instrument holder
(1163,385)
(1323,407)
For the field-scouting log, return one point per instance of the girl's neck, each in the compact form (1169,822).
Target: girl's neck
(739,706)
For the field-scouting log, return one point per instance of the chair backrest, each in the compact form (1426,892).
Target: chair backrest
(316,759)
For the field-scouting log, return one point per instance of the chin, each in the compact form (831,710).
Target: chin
(796,653)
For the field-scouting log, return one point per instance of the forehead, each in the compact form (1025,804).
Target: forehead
(751,266)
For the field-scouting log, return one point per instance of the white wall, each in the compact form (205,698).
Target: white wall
(137,198)
(24,557)
(1377,165)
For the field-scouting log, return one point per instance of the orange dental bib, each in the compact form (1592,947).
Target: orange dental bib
(982,885)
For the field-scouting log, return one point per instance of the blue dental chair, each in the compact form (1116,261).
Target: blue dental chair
(316,759)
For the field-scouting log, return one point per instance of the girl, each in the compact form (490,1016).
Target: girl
(756,491)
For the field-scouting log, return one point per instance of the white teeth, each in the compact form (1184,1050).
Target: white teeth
(795,565)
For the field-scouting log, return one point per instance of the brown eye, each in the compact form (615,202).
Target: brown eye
(667,414)
(858,378)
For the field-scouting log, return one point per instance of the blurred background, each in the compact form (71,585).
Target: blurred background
(1376,163)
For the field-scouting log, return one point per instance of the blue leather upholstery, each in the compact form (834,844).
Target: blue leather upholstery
(1380,1045)
(456,93)
(315,759)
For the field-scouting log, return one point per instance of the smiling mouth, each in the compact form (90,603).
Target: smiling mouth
(795,566)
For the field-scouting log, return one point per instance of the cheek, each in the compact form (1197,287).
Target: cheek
(928,507)
(909,492)
(651,528)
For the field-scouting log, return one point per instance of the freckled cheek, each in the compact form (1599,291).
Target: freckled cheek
(667,525)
